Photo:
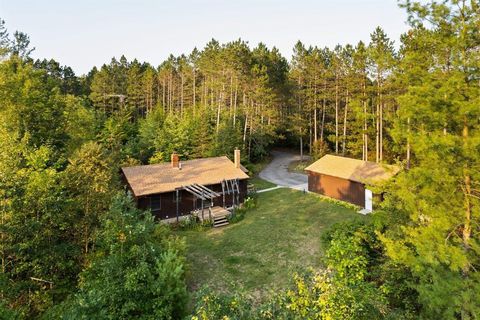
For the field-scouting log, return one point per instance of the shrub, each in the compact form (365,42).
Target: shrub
(356,256)
(191,222)
(139,270)
(188,223)
(319,149)
(218,306)
(250,202)
(7,313)
(338,202)
(238,216)
(300,166)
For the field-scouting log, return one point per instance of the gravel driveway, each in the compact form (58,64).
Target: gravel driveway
(277,171)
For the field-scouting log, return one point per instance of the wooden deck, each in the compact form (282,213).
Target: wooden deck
(211,213)
(217,214)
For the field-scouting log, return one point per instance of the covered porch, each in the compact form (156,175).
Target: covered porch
(211,203)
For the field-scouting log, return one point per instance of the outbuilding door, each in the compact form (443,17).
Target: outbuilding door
(368,199)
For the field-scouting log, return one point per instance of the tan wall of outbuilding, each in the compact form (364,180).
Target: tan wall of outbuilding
(337,188)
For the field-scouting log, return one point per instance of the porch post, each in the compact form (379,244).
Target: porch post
(238,191)
(203,216)
(176,194)
(223,192)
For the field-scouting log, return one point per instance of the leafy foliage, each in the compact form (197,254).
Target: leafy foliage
(138,272)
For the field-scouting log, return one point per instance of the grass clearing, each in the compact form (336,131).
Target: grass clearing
(279,236)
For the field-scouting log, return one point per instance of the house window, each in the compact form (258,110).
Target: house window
(155,203)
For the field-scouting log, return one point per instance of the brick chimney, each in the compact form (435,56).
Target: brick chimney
(175,160)
(236,158)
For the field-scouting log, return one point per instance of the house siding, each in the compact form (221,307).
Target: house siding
(337,188)
(187,201)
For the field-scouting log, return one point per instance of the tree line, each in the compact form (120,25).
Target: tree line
(235,90)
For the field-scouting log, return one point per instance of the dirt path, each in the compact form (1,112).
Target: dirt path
(277,171)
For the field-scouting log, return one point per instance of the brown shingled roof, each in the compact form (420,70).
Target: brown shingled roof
(158,178)
(353,169)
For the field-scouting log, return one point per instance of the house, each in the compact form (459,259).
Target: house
(178,188)
(346,179)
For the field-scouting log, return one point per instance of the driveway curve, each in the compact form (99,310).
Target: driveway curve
(277,171)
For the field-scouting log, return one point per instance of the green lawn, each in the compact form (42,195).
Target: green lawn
(261,184)
(278,237)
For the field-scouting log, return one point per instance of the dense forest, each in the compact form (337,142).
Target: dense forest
(73,245)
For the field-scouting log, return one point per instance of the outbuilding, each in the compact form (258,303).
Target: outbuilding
(347,179)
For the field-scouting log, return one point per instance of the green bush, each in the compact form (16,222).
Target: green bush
(250,202)
(339,202)
(218,306)
(7,313)
(239,214)
(192,223)
(356,256)
(139,270)
(189,223)
(319,149)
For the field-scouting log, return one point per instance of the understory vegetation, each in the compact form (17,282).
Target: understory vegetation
(73,245)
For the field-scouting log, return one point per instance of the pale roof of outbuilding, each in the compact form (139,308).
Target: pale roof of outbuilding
(353,169)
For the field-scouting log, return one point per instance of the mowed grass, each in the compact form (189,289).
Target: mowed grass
(260,253)
(261,184)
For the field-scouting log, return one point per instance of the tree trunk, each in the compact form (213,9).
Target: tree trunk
(365,123)
(323,109)
(235,103)
(220,102)
(181,94)
(344,142)
(86,240)
(173,105)
(218,113)
(250,138)
(213,95)
(170,90)
(231,93)
(301,147)
(377,122)
(381,132)
(194,90)
(245,129)
(205,92)
(315,135)
(336,114)
(467,228)
(164,102)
